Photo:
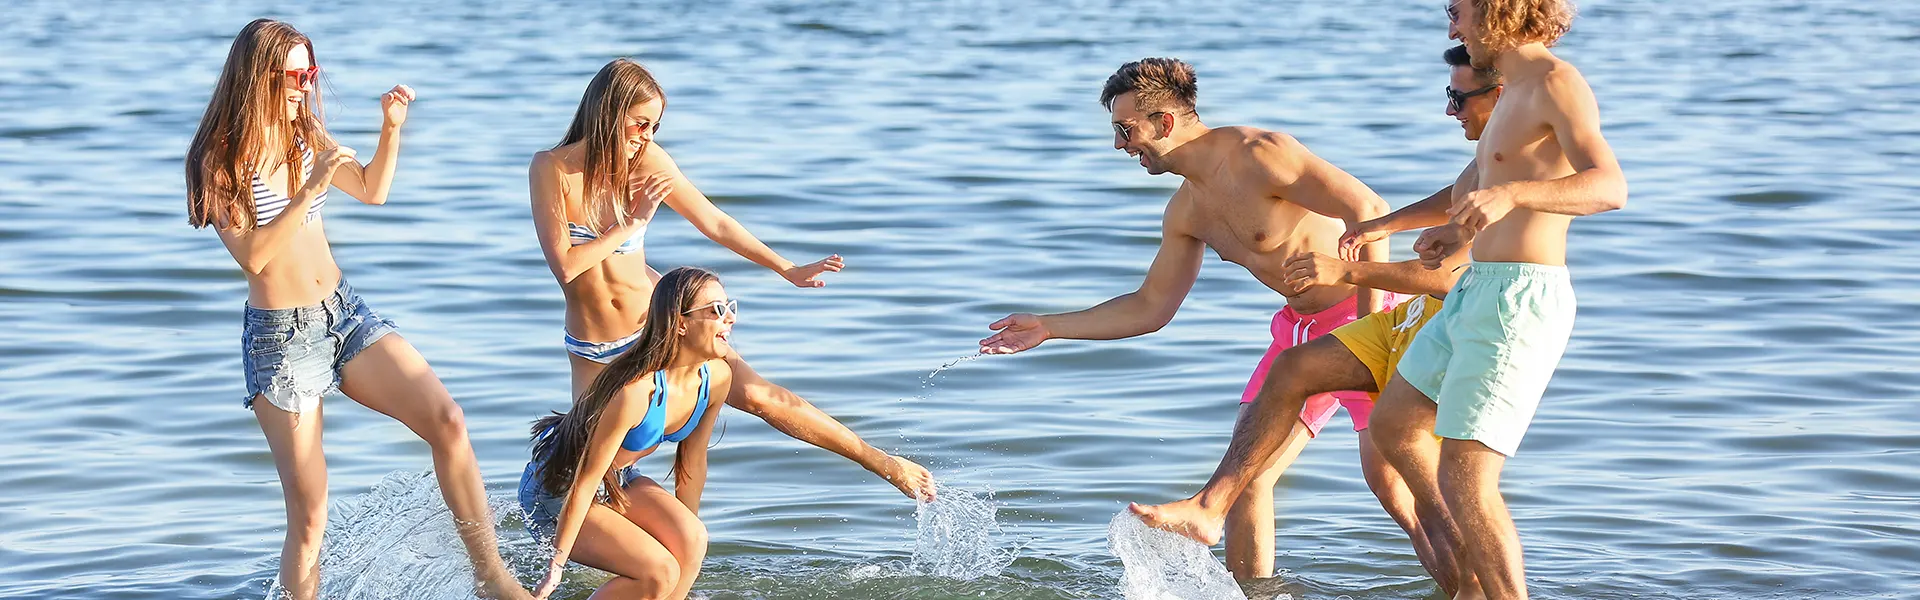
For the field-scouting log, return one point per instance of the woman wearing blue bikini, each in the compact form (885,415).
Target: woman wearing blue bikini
(582,492)
(258,172)
(593,197)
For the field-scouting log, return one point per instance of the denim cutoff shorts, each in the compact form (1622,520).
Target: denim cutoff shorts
(293,356)
(543,509)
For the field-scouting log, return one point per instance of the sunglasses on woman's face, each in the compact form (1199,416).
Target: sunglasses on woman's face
(645,126)
(1457,100)
(721,308)
(300,78)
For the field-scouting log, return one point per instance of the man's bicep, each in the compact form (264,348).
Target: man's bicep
(1574,116)
(1177,263)
(1326,190)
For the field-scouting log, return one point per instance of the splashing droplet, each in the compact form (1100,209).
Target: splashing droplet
(1161,565)
(959,537)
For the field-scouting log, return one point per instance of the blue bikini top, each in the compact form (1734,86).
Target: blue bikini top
(652,428)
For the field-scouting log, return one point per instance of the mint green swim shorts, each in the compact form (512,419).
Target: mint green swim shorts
(1485,360)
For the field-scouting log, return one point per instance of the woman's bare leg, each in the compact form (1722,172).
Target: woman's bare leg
(677,529)
(643,569)
(392,378)
(294,440)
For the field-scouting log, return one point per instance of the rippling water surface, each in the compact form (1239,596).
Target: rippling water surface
(1734,418)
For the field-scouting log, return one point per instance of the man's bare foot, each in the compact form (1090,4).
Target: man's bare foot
(912,479)
(1185,517)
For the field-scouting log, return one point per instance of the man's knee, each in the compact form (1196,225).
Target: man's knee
(1288,379)
(1469,467)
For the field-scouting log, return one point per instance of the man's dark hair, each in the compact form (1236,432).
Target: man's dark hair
(1158,84)
(1457,57)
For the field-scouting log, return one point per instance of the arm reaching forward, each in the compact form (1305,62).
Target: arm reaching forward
(1144,311)
(801,420)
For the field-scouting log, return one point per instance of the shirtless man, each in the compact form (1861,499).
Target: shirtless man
(1476,374)
(1360,355)
(1256,198)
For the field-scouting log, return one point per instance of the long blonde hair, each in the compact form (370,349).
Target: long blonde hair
(561,451)
(600,122)
(233,137)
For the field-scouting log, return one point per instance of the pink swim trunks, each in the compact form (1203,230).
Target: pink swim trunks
(1291,329)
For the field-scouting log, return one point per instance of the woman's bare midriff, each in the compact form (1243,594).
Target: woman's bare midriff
(302,274)
(609,301)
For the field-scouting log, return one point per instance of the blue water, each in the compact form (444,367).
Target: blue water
(1734,417)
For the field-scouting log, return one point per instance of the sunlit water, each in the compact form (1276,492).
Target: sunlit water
(1734,418)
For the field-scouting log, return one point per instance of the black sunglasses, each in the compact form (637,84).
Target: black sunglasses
(1125,130)
(1457,100)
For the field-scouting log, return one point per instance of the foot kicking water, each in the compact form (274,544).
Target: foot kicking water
(1361,355)
(1257,198)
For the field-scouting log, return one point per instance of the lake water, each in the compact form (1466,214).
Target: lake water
(1734,417)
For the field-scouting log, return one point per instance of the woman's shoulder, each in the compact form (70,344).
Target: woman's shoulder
(561,159)
(721,371)
(655,160)
(637,392)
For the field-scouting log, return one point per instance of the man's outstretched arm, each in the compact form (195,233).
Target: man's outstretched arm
(1175,267)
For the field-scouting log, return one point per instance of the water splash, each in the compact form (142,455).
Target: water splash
(396,541)
(958,536)
(927,382)
(1162,565)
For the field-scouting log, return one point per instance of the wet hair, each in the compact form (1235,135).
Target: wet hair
(1457,57)
(561,452)
(232,139)
(1158,84)
(1506,24)
(601,122)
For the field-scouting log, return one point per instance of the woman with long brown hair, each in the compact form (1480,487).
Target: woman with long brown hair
(581,491)
(258,173)
(594,195)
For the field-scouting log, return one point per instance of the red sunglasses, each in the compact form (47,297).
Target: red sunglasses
(300,78)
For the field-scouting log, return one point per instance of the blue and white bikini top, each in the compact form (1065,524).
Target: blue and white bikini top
(268,205)
(580,234)
(652,428)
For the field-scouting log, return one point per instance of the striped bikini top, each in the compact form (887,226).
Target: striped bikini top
(268,205)
(580,234)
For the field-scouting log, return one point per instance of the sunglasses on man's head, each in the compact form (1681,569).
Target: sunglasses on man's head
(721,309)
(300,78)
(1125,130)
(1457,100)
